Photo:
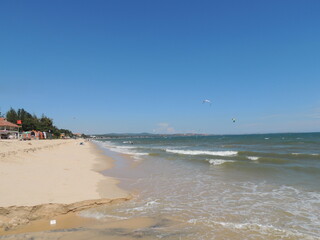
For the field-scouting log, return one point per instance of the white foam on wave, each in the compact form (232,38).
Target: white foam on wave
(197,152)
(312,154)
(128,150)
(193,220)
(253,158)
(216,162)
(99,215)
(105,144)
(125,147)
(145,207)
(264,229)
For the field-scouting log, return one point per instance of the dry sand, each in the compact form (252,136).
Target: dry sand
(43,178)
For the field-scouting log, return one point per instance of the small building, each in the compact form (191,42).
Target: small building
(77,135)
(8,129)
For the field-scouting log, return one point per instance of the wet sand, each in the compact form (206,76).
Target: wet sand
(75,227)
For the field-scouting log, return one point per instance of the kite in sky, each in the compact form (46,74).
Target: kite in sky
(206,101)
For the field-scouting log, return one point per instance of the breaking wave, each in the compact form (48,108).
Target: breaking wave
(197,152)
(128,150)
(216,162)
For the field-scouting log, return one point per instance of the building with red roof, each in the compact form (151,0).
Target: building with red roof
(8,129)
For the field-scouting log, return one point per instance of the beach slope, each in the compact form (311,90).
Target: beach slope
(41,179)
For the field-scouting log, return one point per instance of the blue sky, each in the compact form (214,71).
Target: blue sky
(146,66)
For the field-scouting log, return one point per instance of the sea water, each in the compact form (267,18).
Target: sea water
(264,186)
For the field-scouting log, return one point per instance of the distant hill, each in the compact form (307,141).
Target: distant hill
(130,135)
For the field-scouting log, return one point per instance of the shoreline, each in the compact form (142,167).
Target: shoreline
(46,178)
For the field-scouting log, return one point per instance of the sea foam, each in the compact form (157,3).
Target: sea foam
(99,215)
(215,162)
(128,150)
(197,152)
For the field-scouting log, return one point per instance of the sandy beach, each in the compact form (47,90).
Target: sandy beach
(45,178)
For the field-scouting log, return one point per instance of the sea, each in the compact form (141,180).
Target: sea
(258,186)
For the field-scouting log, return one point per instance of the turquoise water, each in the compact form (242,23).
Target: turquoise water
(222,187)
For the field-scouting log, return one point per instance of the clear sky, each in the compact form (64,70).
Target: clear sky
(146,66)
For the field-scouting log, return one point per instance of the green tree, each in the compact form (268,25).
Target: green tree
(23,114)
(45,124)
(29,122)
(12,116)
(66,132)
(32,122)
(84,136)
(55,132)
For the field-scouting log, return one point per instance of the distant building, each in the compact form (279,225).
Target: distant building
(77,135)
(8,129)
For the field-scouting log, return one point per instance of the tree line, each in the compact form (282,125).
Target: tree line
(32,122)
